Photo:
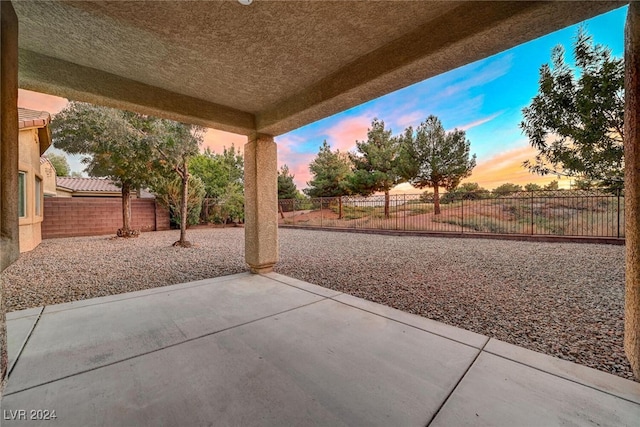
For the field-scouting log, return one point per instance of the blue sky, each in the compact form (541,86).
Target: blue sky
(485,98)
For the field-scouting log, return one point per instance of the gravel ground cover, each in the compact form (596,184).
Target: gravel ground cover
(562,299)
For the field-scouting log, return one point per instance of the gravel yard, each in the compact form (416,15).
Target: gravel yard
(561,299)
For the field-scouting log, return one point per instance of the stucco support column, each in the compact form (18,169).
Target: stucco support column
(9,232)
(261,203)
(632,187)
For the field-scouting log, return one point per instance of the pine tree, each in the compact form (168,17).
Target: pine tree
(331,171)
(286,187)
(435,158)
(376,163)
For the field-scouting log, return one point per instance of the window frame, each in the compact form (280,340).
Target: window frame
(22,194)
(38,196)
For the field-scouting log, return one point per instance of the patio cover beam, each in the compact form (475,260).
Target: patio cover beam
(54,76)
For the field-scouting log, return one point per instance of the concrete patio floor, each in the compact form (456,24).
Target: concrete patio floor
(272,350)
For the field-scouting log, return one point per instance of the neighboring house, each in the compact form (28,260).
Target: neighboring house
(48,172)
(34,138)
(93,187)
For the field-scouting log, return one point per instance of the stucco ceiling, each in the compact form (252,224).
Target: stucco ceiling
(269,67)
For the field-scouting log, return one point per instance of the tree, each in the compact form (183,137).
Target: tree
(60,164)
(232,203)
(376,163)
(435,158)
(583,184)
(286,187)
(175,143)
(533,187)
(466,191)
(553,185)
(223,177)
(114,145)
(169,193)
(206,167)
(287,191)
(506,189)
(331,171)
(575,122)
(217,171)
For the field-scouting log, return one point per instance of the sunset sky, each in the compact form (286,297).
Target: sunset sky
(484,98)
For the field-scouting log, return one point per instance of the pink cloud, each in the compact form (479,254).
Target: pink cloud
(216,140)
(344,134)
(298,162)
(301,173)
(478,122)
(411,119)
(341,136)
(40,101)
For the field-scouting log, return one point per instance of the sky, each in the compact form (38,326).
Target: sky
(484,98)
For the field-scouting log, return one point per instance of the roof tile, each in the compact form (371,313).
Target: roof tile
(96,185)
(31,118)
(88,184)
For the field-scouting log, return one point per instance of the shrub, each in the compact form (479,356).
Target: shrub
(466,191)
(506,189)
(169,193)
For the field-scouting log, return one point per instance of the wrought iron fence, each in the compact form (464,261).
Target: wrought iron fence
(592,213)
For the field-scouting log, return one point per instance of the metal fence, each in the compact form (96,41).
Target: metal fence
(591,213)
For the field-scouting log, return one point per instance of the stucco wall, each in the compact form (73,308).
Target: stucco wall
(29,163)
(30,236)
(93,216)
(49,178)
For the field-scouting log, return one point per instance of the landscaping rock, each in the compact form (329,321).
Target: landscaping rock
(562,299)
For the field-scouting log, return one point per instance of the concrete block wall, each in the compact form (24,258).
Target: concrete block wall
(93,216)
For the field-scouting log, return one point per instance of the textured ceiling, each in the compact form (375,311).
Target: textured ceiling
(271,66)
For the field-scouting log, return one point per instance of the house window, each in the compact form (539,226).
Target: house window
(22,194)
(38,196)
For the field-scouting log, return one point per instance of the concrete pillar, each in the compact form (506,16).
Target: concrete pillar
(261,203)
(9,232)
(632,187)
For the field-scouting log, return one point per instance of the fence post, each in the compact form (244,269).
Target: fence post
(321,223)
(462,221)
(396,204)
(404,210)
(532,212)
(618,216)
